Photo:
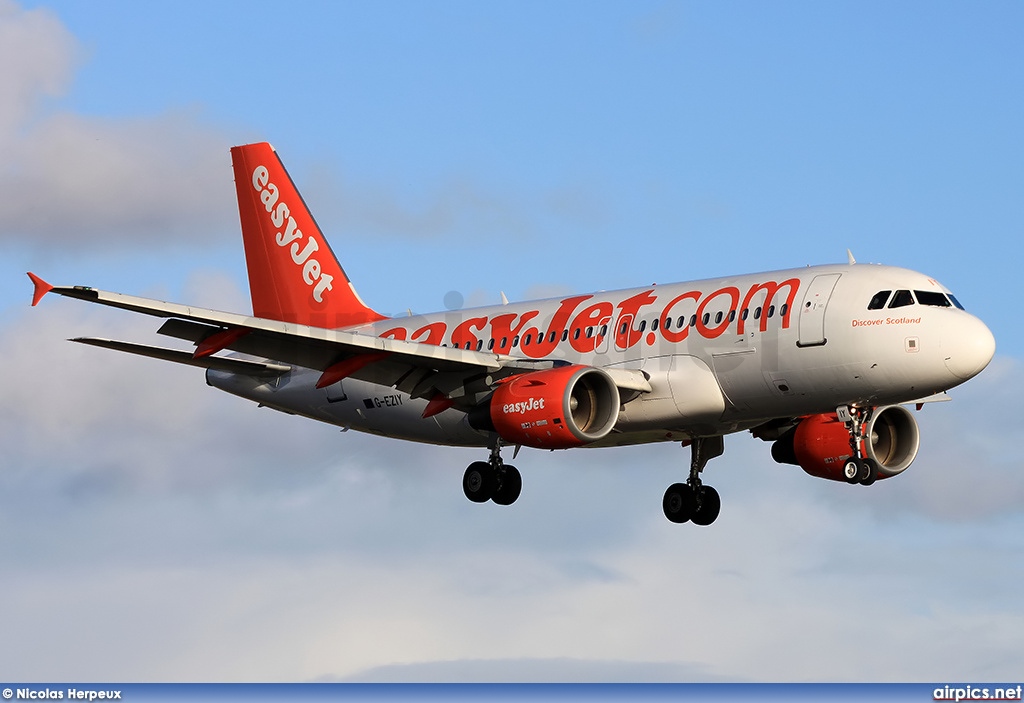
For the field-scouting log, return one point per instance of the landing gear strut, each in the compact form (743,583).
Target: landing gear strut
(693,501)
(492,480)
(858,468)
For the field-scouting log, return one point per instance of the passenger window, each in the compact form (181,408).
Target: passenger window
(745,313)
(783,309)
(590,332)
(504,342)
(706,319)
(928,297)
(551,337)
(604,330)
(732,316)
(878,302)
(622,329)
(565,335)
(515,341)
(576,333)
(643,325)
(682,321)
(771,311)
(902,299)
(668,323)
(718,317)
(526,340)
(757,313)
(654,325)
(490,344)
(693,321)
(479,344)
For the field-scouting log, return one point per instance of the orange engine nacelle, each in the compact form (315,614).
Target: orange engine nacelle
(820,444)
(558,408)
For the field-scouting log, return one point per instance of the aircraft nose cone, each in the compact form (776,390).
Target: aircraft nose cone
(968,346)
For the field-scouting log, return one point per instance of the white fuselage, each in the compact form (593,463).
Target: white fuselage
(720,355)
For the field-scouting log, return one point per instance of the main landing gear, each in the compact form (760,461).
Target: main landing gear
(492,480)
(693,501)
(858,468)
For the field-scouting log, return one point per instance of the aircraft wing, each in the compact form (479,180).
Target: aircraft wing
(421,370)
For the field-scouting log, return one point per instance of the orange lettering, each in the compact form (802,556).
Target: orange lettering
(544,344)
(630,307)
(434,333)
(712,332)
(679,334)
(771,289)
(591,317)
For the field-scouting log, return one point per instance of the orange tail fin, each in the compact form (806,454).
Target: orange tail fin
(293,274)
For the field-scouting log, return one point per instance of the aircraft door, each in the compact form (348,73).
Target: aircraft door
(812,311)
(622,331)
(604,332)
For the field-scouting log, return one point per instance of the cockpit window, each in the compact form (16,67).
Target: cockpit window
(901,299)
(878,302)
(928,297)
(956,302)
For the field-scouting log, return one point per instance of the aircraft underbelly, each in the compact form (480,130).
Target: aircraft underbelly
(353,404)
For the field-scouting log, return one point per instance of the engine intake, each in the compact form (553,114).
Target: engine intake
(558,408)
(820,444)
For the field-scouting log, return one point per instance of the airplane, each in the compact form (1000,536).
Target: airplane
(820,361)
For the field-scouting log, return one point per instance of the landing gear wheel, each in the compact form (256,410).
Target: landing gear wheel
(851,470)
(869,472)
(479,482)
(679,503)
(510,486)
(709,505)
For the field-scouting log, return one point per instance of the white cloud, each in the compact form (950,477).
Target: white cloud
(38,55)
(91,182)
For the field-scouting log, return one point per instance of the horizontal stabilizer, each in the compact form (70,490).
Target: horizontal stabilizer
(218,363)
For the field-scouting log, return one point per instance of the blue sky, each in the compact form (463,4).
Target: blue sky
(534,148)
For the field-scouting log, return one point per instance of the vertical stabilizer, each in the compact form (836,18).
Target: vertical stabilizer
(293,274)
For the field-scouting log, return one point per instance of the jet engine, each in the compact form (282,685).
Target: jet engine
(821,444)
(557,408)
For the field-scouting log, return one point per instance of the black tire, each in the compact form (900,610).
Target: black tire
(510,486)
(479,482)
(679,503)
(870,474)
(710,507)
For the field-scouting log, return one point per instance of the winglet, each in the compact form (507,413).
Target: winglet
(42,288)
(849,257)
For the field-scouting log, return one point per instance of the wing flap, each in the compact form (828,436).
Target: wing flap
(302,345)
(218,363)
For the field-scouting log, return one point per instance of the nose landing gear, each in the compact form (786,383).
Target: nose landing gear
(858,468)
(693,501)
(492,480)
